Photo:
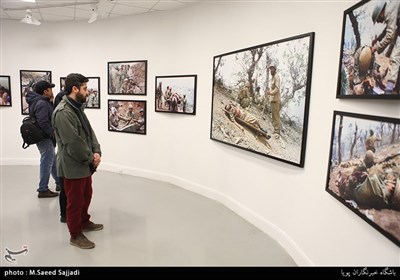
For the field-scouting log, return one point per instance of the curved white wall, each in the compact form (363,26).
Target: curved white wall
(287,202)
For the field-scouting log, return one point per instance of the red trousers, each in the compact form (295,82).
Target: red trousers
(79,194)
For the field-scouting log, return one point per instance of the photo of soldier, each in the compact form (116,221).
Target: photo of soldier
(93,100)
(28,80)
(176,94)
(127,116)
(364,170)
(370,54)
(127,77)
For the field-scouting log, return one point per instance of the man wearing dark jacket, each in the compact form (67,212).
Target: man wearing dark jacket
(63,196)
(78,157)
(41,102)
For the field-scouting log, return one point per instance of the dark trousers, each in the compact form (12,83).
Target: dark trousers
(79,193)
(62,198)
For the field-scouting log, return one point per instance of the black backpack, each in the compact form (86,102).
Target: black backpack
(30,131)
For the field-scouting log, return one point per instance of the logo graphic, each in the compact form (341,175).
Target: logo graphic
(9,256)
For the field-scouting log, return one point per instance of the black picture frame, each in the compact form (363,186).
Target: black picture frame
(120,120)
(250,67)
(93,101)
(5,91)
(62,83)
(136,79)
(364,169)
(366,62)
(28,78)
(176,94)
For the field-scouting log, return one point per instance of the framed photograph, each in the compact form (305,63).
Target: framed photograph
(28,78)
(364,169)
(127,77)
(127,116)
(261,98)
(176,94)
(5,90)
(62,83)
(93,100)
(370,52)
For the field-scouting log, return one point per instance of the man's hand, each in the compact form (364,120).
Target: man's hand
(96,159)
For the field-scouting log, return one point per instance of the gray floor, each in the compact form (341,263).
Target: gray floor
(146,223)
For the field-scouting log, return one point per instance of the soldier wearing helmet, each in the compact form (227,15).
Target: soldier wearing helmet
(360,79)
(125,86)
(367,186)
(129,116)
(130,113)
(388,13)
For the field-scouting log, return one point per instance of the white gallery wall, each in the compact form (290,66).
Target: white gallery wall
(287,202)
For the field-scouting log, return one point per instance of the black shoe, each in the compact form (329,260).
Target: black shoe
(63,219)
(58,188)
(47,193)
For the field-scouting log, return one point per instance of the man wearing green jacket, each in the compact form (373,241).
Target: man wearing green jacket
(78,156)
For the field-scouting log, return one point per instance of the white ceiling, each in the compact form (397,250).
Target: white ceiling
(76,10)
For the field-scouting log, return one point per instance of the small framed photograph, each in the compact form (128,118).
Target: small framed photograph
(370,57)
(93,100)
(127,116)
(28,78)
(364,169)
(62,83)
(127,77)
(261,98)
(5,90)
(176,94)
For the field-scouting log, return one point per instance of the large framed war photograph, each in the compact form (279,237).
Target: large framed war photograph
(28,79)
(370,51)
(5,90)
(93,85)
(127,116)
(176,94)
(261,98)
(364,169)
(127,77)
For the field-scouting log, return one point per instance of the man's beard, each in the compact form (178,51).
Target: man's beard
(81,98)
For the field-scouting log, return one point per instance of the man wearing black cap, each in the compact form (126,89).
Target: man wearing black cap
(41,102)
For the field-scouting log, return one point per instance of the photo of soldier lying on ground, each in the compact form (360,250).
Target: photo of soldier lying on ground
(364,170)
(261,96)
